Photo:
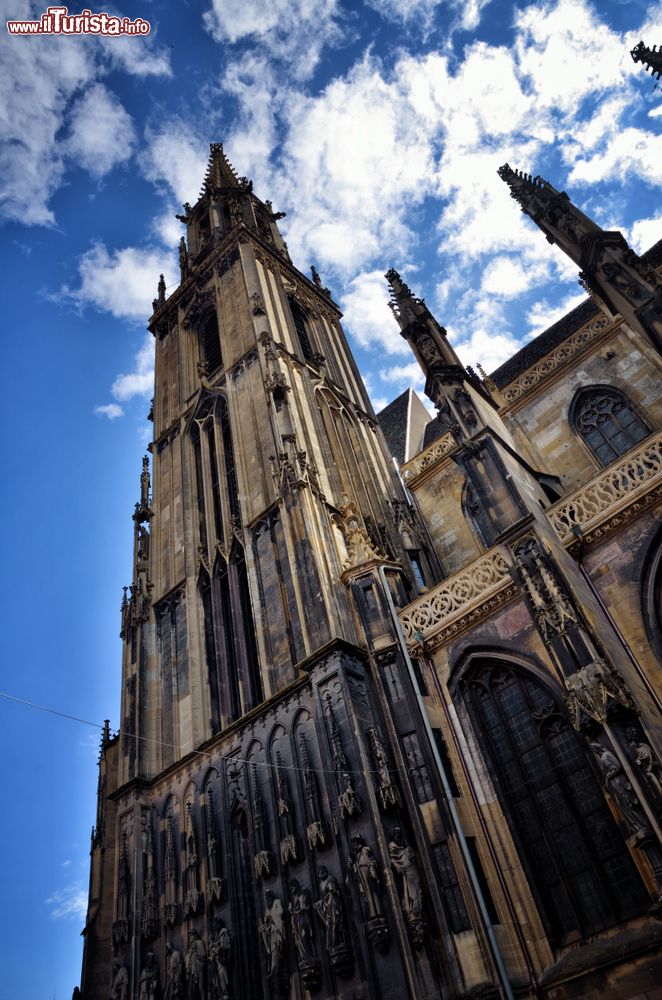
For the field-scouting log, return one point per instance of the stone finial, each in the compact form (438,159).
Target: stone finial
(651,58)
(161,291)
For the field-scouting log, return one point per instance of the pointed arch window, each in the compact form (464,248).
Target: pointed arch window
(577,863)
(607,420)
(301,322)
(210,342)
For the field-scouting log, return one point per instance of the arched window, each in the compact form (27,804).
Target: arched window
(606,419)
(651,595)
(301,326)
(577,863)
(211,342)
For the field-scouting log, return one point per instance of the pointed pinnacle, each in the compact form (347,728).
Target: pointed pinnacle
(651,58)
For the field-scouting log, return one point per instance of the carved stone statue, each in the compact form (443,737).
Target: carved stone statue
(174,974)
(329,909)
(618,786)
(220,950)
(348,800)
(272,932)
(367,874)
(302,931)
(411,895)
(196,967)
(120,987)
(647,760)
(149,978)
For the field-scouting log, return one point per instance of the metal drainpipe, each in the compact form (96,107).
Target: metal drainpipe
(506,989)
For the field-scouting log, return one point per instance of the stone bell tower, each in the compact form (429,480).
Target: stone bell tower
(261,828)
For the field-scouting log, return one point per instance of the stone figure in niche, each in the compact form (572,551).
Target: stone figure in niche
(220,949)
(272,932)
(149,978)
(196,967)
(120,986)
(428,349)
(348,800)
(618,786)
(258,304)
(174,974)
(367,875)
(302,930)
(329,909)
(647,761)
(411,896)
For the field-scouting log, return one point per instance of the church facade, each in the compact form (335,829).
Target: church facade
(387,732)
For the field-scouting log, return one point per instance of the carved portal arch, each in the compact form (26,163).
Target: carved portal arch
(607,421)
(651,594)
(577,864)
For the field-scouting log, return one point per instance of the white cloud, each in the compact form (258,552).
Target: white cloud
(140,381)
(487,347)
(294,31)
(645,232)
(70,902)
(367,315)
(101,131)
(507,278)
(41,79)
(174,156)
(543,315)
(110,410)
(122,283)
(628,151)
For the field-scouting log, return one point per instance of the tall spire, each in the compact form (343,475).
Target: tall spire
(610,268)
(651,58)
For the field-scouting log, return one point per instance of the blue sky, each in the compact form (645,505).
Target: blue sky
(378,127)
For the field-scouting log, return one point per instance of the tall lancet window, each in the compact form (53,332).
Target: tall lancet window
(235,683)
(301,324)
(210,342)
(607,420)
(578,866)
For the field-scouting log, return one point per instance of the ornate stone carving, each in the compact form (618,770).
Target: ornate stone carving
(302,934)
(456,596)
(272,932)
(289,848)
(619,788)
(316,831)
(264,860)
(331,912)
(648,763)
(611,493)
(403,861)
(366,873)
(119,989)
(557,358)
(122,922)
(174,974)
(149,979)
(387,791)
(360,548)
(170,907)
(196,967)
(348,801)
(220,954)
(214,879)
(591,689)
(257,304)
(192,894)
(465,407)
(149,919)
(183,260)
(550,604)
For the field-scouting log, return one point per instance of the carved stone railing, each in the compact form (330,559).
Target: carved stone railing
(556,358)
(460,600)
(620,491)
(427,459)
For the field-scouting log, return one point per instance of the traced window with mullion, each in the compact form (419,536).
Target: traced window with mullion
(578,866)
(301,325)
(210,342)
(606,419)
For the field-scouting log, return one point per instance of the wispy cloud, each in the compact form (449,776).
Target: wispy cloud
(110,410)
(68,903)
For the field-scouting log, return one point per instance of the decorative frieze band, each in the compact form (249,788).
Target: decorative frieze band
(556,358)
(427,459)
(460,600)
(622,489)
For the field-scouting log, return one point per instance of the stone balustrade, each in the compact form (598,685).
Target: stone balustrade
(427,459)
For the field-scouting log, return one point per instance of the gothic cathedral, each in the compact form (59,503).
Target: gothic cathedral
(390,730)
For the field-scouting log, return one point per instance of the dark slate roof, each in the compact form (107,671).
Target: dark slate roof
(393,422)
(558,332)
(433,430)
